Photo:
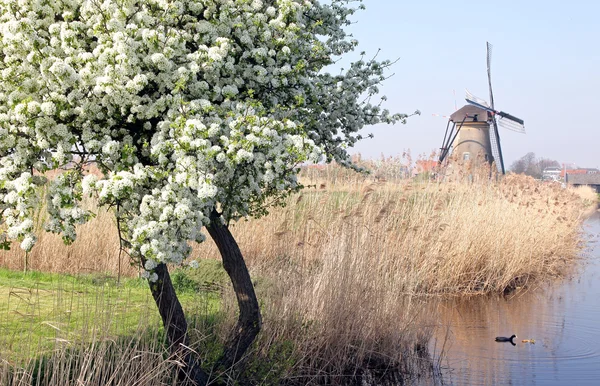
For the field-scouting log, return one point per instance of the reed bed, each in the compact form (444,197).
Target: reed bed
(60,330)
(137,360)
(355,262)
(343,269)
(424,239)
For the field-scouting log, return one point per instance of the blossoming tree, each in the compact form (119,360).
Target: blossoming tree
(197,113)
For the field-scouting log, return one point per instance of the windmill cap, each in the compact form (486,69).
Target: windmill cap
(470,111)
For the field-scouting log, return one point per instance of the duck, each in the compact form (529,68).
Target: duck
(505,339)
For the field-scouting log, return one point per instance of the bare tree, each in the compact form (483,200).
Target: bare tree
(532,166)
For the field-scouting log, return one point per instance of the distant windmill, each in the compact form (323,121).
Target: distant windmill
(474,127)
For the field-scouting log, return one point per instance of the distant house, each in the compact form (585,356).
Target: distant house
(551,174)
(579,171)
(425,166)
(590,179)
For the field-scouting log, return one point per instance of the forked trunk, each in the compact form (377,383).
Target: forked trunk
(249,321)
(171,312)
(175,324)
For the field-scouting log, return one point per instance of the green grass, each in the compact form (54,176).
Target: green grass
(40,311)
(209,276)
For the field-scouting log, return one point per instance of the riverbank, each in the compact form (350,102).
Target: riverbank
(58,329)
(561,318)
(342,270)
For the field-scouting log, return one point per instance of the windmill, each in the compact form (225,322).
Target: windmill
(473,129)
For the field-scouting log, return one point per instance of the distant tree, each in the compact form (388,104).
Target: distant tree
(524,164)
(532,166)
(544,163)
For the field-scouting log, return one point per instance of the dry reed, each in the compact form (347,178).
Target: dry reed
(135,361)
(81,335)
(429,238)
(338,268)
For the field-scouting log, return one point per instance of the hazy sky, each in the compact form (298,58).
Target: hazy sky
(545,70)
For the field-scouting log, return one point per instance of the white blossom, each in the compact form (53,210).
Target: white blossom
(176,103)
(150,265)
(230,91)
(28,243)
(257,4)
(88,184)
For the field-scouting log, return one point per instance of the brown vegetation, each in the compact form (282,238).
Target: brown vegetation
(134,360)
(338,267)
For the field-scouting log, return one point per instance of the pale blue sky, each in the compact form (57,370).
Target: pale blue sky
(545,70)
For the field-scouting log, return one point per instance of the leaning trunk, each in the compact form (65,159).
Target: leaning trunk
(175,325)
(249,321)
(171,312)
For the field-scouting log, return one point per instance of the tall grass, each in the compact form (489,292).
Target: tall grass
(355,261)
(90,330)
(343,269)
(60,330)
(423,239)
(137,360)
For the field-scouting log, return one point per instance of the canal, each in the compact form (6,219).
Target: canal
(562,318)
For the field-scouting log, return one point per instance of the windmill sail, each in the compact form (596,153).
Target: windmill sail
(512,125)
(495,145)
(472,99)
(489,72)
(495,136)
(519,121)
(505,120)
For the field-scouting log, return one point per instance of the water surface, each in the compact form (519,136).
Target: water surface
(564,320)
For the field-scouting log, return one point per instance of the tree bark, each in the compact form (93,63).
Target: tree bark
(173,319)
(249,321)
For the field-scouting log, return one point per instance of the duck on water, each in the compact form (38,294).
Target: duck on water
(505,339)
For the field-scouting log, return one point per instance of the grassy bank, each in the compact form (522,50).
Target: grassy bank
(37,310)
(59,329)
(342,271)
(71,330)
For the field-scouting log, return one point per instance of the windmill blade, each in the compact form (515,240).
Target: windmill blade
(489,72)
(511,125)
(495,136)
(472,99)
(496,148)
(511,117)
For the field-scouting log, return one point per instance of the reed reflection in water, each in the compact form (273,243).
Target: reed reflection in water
(563,318)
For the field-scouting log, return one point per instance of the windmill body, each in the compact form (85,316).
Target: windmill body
(473,140)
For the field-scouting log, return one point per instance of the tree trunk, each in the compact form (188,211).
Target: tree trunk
(249,321)
(175,324)
(171,312)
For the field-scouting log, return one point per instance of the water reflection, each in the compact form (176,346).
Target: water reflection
(563,319)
